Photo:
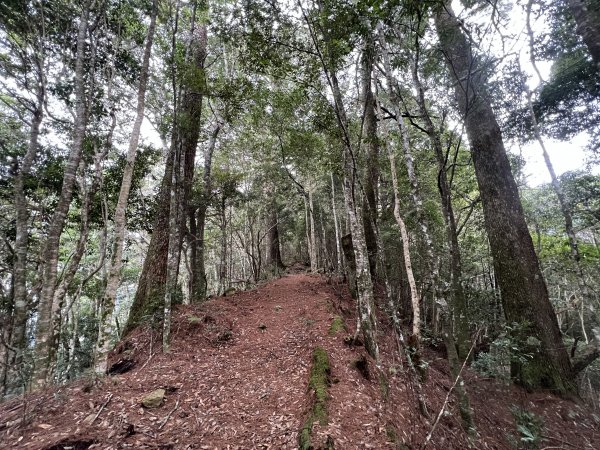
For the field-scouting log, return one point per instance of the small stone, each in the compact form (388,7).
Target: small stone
(154,399)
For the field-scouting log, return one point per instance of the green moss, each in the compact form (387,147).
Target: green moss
(384,386)
(230,291)
(337,325)
(194,319)
(318,384)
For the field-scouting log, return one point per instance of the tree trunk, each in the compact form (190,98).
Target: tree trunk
(45,339)
(274,247)
(458,301)
(198,223)
(524,292)
(588,26)
(433,279)
(336,227)
(372,160)
(565,208)
(414,294)
(17,339)
(313,232)
(150,295)
(348,249)
(120,219)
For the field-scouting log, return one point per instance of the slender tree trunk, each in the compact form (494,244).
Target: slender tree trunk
(120,219)
(307,230)
(414,294)
(434,276)
(17,339)
(336,227)
(524,293)
(313,232)
(458,301)
(198,224)
(176,209)
(372,160)
(588,25)
(366,299)
(45,342)
(565,208)
(274,246)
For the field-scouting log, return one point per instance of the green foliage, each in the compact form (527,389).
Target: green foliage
(530,428)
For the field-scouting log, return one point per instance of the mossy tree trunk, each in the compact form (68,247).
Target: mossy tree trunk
(524,293)
(148,303)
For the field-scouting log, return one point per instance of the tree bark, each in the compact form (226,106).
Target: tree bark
(18,340)
(313,232)
(336,227)
(148,303)
(588,26)
(458,301)
(198,222)
(120,219)
(45,339)
(372,160)
(414,293)
(565,208)
(433,279)
(366,299)
(274,246)
(524,293)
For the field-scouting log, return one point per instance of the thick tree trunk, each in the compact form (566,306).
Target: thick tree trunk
(120,219)
(524,292)
(148,303)
(45,339)
(588,25)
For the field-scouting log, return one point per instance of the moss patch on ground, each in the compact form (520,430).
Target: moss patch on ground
(337,325)
(318,383)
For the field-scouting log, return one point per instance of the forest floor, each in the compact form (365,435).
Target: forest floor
(237,377)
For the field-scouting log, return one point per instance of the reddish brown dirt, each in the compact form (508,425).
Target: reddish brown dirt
(237,378)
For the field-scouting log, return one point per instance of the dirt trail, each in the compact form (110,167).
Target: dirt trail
(237,378)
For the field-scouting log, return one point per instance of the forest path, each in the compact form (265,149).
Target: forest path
(236,378)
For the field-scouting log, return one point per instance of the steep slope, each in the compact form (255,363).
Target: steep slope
(238,378)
